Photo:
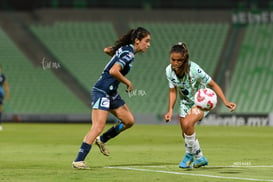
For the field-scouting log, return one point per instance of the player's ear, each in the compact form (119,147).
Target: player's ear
(137,41)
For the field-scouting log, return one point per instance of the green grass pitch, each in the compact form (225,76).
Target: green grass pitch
(44,153)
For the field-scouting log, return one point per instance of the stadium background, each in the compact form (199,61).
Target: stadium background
(52,54)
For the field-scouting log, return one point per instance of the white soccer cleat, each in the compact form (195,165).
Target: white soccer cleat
(102,147)
(1,128)
(80,165)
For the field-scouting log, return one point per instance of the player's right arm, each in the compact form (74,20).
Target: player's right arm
(172,100)
(172,94)
(108,51)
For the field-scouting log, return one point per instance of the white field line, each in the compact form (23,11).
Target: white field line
(242,166)
(233,166)
(136,168)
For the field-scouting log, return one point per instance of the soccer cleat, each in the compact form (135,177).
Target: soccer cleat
(1,128)
(187,161)
(102,147)
(80,165)
(203,161)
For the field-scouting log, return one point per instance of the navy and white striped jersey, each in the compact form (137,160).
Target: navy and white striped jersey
(125,57)
(2,80)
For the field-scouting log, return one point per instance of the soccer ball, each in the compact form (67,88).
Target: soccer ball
(205,99)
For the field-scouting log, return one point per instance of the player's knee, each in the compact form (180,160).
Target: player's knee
(97,130)
(129,122)
(187,127)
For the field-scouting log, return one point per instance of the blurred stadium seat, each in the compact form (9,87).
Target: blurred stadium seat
(33,89)
(78,46)
(205,41)
(251,83)
(74,45)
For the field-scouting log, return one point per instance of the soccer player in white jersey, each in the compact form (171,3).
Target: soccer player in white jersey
(185,78)
(105,97)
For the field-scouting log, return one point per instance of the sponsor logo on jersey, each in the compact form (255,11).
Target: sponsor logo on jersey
(128,56)
(175,81)
(105,102)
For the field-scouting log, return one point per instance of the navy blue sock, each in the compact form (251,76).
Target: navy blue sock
(111,133)
(84,150)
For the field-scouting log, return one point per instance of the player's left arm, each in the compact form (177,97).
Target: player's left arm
(221,95)
(6,88)
(115,72)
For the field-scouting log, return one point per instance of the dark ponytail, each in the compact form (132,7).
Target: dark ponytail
(129,38)
(185,67)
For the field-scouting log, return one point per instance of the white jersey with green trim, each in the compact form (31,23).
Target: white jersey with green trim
(190,83)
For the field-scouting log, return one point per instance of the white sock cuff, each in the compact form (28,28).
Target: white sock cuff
(190,136)
(189,139)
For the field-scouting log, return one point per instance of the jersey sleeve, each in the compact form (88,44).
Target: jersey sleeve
(169,76)
(125,57)
(2,79)
(200,74)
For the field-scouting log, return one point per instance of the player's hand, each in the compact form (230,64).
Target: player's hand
(108,50)
(130,87)
(232,106)
(168,117)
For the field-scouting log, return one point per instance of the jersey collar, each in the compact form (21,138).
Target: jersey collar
(131,45)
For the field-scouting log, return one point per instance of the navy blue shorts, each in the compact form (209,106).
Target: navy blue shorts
(101,100)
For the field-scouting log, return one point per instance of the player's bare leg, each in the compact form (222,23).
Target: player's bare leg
(99,118)
(193,151)
(124,114)
(126,118)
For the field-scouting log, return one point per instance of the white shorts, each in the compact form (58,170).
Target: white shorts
(184,109)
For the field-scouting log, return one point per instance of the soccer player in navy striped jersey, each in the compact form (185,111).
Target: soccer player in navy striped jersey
(4,93)
(105,97)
